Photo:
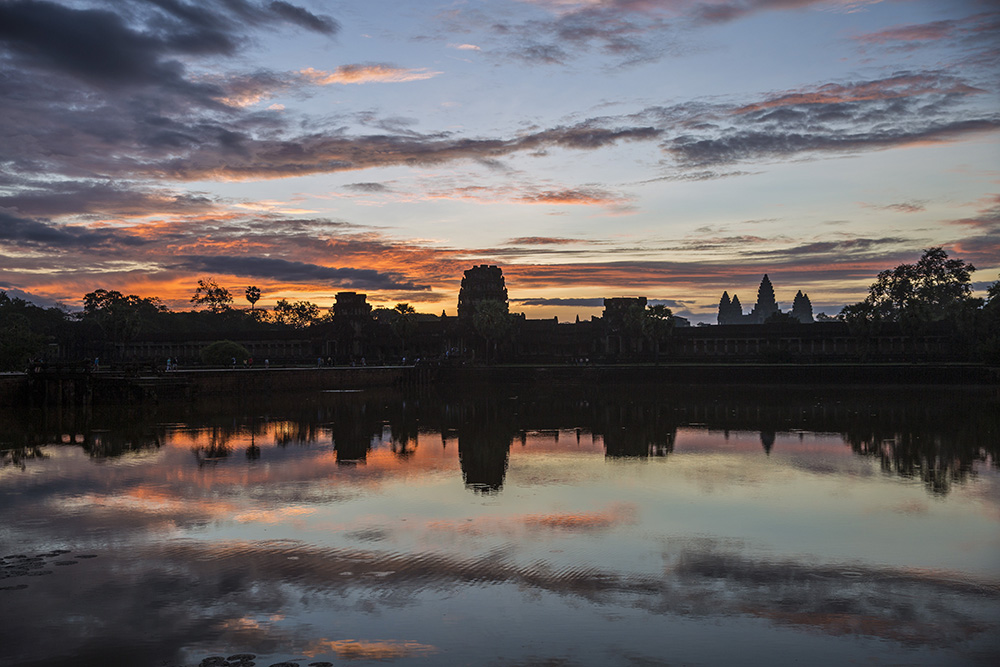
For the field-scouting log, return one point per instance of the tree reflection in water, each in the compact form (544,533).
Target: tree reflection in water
(921,433)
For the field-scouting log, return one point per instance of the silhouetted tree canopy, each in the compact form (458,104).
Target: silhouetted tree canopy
(223,353)
(212,295)
(299,314)
(121,317)
(933,289)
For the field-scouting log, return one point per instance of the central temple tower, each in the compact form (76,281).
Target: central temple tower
(481,283)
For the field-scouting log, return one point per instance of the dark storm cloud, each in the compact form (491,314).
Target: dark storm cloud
(292,271)
(100,47)
(94,45)
(43,199)
(24,232)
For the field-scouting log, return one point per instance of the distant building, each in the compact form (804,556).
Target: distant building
(481,283)
(351,306)
(352,316)
(616,309)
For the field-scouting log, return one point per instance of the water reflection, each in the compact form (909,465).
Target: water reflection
(933,437)
(614,525)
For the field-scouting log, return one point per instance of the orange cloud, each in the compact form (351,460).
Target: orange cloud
(574,197)
(374,73)
(885,89)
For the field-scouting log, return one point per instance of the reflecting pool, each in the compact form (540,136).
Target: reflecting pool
(620,525)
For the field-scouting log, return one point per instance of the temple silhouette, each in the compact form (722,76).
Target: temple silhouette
(731,310)
(484,331)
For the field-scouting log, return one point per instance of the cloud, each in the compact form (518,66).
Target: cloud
(590,196)
(296,272)
(562,301)
(464,47)
(370,73)
(905,109)
(898,86)
(978,26)
(541,240)
(247,157)
(99,47)
(15,293)
(106,199)
(901,207)
(304,18)
(634,31)
(25,232)
(746,145)
(367,187)
(987,218)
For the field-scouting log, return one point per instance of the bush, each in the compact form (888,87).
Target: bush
(222,353)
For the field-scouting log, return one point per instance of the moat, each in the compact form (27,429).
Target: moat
(619,524)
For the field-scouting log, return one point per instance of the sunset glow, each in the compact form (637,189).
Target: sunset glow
(591,148)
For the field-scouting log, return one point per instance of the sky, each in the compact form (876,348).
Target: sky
(670,149)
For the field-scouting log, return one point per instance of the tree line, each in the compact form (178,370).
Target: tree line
(109,317)
(933,294)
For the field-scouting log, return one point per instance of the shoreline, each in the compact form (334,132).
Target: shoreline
(74,386)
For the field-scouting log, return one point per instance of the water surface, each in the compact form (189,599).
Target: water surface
(624,525)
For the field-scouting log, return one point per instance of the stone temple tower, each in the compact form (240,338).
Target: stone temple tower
(766,305)
(481,283)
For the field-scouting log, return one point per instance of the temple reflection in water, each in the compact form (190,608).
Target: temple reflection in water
(935,438)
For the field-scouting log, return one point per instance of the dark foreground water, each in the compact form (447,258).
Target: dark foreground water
(556,526)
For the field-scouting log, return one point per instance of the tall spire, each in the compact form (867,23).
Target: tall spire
(724,307)
(766,305)
(802,309)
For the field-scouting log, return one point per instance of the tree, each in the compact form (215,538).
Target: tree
(299,314)
(492,321)
(989,325)
(18,343)
(932,290)
(121,317)
(212,295)
(659,324)
(252,294)
(223,353)
(404,325)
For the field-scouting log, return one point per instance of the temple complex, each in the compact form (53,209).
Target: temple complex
(731,310)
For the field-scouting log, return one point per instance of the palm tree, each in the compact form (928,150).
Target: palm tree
(252,294)
(404,324)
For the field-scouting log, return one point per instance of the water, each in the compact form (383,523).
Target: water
(516,526)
